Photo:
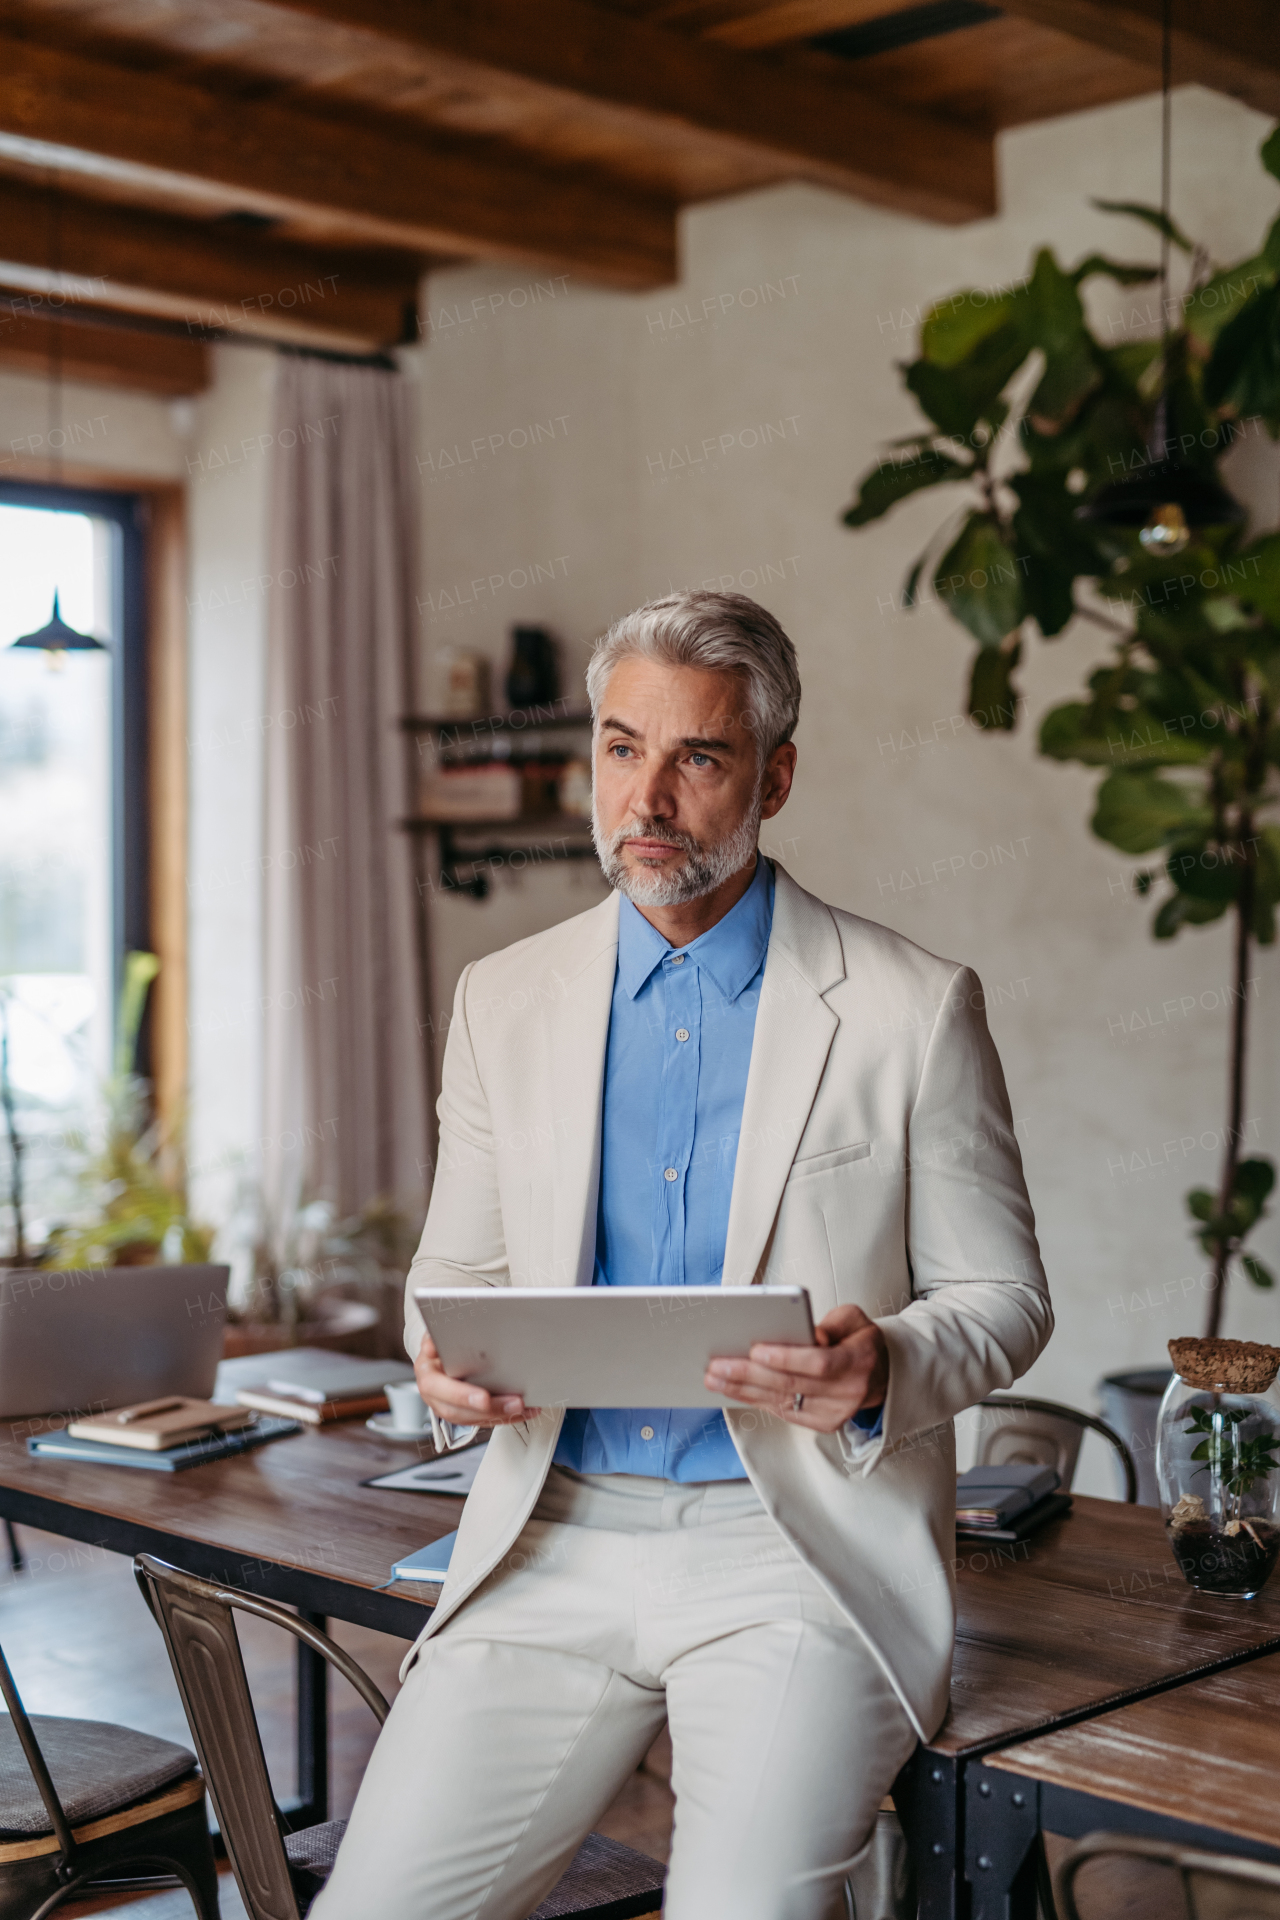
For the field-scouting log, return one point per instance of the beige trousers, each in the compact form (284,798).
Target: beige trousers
(626,1602)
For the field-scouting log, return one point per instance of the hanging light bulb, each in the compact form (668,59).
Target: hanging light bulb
(57,639)
(1166,500)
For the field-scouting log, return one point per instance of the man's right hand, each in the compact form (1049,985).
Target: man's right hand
(460,1402)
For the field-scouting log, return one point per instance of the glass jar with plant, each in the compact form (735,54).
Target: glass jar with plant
(1216,1458)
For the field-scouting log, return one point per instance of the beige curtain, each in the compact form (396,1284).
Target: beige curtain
(345,1102)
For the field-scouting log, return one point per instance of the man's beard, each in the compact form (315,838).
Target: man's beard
(703,870)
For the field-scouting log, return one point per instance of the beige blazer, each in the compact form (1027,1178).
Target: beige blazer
(877,1164)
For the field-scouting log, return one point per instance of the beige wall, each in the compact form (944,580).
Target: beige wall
(810,299)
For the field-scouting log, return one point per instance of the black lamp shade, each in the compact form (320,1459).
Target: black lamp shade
(1165,483)
(57,637)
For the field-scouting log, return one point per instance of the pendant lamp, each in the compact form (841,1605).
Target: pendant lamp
(1166,500)
(55,638)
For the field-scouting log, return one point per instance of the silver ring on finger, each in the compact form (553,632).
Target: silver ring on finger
(797,1402)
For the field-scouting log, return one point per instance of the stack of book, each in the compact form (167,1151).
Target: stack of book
(1007,1502)
(163,1435)
(313,1385)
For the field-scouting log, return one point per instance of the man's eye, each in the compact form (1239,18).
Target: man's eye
(700,759)
(619,747)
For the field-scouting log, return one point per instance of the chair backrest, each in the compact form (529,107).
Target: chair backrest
(1215,1886)
(196,1618)
(39,1770)
(1044,1433)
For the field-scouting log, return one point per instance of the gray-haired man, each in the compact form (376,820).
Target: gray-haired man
(742,1084)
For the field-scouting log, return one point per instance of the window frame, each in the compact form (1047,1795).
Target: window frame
(130,714)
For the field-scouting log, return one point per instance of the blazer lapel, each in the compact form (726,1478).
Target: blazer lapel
(793,1035)
(578,1036)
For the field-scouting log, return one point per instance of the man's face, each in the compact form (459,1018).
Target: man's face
(679,793)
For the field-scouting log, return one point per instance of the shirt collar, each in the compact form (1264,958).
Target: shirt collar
(731,952)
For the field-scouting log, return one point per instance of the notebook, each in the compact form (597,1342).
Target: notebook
(316,1413)
(450,1473)
(428,1566)
(157,1425)
(197,1453)
(993,1496)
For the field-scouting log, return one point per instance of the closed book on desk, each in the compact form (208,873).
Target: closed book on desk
(1052,1507)
(156,1425)
(196,1453)
(993,1496)
(315,1414)
(311,1374)
(429,1565)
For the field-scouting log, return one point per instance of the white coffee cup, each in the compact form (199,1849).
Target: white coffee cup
(408,1408)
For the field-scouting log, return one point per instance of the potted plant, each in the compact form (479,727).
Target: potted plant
(1180,716)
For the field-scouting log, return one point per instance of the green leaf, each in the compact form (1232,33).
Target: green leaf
(1201,1203)
(1269,152)
(954,327)
(1208,310)
(1261,588)
(980,579)
(1182,911)
(1049,593)
(1253,1181)
(1266,886)
(1139,811)
(1153,217)
(958,398)
(895,480)
(1205,872)
(1243,374)
(912,582)
(1117,270)
(1261,1276)
(993,700)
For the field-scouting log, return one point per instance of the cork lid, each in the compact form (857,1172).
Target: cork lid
(1225,1366)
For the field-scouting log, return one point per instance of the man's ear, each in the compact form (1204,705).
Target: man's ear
(779,772)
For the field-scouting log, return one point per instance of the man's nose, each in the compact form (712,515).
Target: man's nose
(654,794)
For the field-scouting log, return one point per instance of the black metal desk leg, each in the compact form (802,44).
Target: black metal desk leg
(927,1797)
(1002,1843)
(313,1733)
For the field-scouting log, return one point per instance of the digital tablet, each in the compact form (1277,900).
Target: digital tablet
(606,1346)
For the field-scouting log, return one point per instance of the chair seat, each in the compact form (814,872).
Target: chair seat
(605,1880)
(97,1769)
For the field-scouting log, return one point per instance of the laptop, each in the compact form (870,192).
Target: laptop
(96,1337)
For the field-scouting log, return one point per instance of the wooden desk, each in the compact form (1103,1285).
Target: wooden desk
(289,1521)
(1089,1615)
(1199,1766)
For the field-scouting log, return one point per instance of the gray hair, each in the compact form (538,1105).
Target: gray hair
(721,633)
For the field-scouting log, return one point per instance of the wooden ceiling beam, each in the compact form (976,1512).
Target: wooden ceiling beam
(436,194)
(100,356)
(817,124)
(1232,46)
(196,271)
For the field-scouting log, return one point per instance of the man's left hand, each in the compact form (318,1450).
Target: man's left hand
(846,1371)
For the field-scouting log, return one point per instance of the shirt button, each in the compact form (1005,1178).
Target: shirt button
(678,960)
(682,1033)
(671,1174)
(646,1433)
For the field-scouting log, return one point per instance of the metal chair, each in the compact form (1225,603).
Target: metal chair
(87,1807)
(1044,1433)
(280,1873)
(1214,1886)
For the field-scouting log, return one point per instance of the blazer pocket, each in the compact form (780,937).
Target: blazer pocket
(824,1162)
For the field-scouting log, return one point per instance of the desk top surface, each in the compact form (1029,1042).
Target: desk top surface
(289,1519)
(1207,1752)
(1081,1616)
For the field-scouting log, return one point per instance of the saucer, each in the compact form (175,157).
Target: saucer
(381,1424)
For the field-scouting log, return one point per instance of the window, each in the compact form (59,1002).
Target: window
(73,881)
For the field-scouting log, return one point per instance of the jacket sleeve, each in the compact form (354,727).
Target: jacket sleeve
(980,1311)
(463,1243)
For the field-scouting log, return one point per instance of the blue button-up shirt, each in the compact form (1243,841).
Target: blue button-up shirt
(680,1034)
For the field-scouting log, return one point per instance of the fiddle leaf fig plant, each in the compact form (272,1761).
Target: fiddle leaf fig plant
(1029,415)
